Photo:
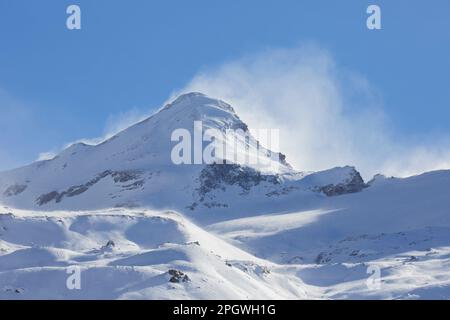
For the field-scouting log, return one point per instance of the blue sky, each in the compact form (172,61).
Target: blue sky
(58,86)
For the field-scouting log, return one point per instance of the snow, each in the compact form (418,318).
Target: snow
(129,218)
(137,265)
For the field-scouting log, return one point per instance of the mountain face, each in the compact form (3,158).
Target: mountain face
(139,224)
(136,167)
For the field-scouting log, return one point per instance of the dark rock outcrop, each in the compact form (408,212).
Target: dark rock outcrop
(14,190)
(353,184)
(178,276)
(118,177)
(218,176)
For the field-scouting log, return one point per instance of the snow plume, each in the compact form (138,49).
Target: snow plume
(114,124)
(49,155)
(327,115)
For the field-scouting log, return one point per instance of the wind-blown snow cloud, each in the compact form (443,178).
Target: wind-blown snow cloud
(46,155)
(114,124)
(327,115)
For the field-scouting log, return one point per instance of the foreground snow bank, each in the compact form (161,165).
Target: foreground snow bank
(129,254)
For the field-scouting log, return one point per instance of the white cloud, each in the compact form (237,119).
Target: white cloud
(46,156)
(114,124)
(327,115)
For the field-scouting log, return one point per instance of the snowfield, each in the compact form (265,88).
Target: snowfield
(137,226)
(129,254)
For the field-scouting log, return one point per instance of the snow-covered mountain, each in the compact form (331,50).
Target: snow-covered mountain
(140,226)
(135,167)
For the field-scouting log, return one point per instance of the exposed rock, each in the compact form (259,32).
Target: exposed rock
(118,177)
(178,276)
(125,176)
(353,184)
(214,204)
(74,191)
(135,185)
(46,198)
(263,270)
(322,258)
(218,176)
(14,190)
(15,290)
(282,158)
(108,246)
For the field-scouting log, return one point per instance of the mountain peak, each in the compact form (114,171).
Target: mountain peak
(137,167)
(191,95)
(197,100)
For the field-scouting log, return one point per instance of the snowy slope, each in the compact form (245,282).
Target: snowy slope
(145,250)
(399,225)
(132,220)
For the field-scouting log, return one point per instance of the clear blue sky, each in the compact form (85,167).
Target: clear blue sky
(58,85)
